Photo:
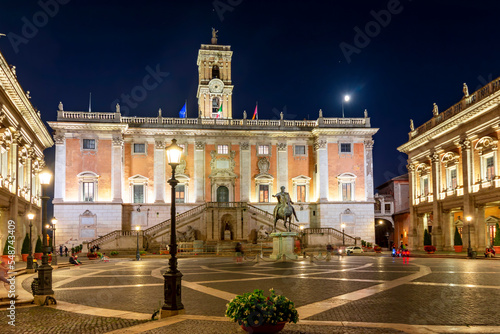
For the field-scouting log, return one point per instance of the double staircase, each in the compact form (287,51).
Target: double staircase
(184,219)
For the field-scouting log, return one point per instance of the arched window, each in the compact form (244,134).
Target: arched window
(215,72)
(215,106)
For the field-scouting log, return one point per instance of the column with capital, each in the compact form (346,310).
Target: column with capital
(412,233)
(199,171)
(321,148)
(14,168)
(245,172)
(369,170)
(159,171)
(436,203)
(467,158)
(117,168)
(60,168)
(479,242)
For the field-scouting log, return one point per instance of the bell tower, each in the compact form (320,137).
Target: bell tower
(215,87)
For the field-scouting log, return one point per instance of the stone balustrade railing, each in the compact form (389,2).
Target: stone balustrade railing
(113,117)
(330,230)
(465,103)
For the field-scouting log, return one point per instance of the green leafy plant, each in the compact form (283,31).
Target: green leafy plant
(427,238)
(6,248)
(496,242)
(25,249)
(38,246)
(114,253)
(363,243)
(458,238)
(377,248)
(72,250)
(255,309)
(142,252)
(369,244)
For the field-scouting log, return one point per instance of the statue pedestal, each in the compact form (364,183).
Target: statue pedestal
(283,244)
(227,235)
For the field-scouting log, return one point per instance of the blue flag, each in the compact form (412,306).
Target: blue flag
(182,113)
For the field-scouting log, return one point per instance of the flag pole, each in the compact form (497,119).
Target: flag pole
(186,103)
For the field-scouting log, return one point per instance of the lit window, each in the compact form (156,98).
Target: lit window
(88,191)
(491,233)
(301,193)
(347,191)
(264,193)
(300,150)
(222,149)
(345,148)
(89,144)
(138,190)
(263,150)
(180,194)
(424,186)
(451,177)
(490,168)
(139,148)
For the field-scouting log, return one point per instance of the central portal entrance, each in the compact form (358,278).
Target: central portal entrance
(222,194)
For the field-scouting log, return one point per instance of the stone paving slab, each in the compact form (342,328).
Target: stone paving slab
(459,278)
(46,320)
(215,276)
(363,275)
(112,281)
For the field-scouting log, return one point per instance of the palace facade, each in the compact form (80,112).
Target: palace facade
(454,172)
(23,138)
(112,173)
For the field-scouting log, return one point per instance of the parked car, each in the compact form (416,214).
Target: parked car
(353,249)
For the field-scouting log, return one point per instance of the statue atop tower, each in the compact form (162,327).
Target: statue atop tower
(214,36)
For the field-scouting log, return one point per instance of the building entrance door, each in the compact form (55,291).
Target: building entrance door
(222,194)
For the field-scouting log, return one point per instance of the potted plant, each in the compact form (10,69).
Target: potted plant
(428,243)
(496,242)
(142,252)
(25,249)
(114,253)
(377,249)
(92,256)
(256,313)
(458,241)
(38,249)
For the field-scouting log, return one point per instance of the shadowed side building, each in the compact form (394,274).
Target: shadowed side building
(454,171)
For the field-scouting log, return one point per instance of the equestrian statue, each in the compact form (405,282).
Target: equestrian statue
(284,210)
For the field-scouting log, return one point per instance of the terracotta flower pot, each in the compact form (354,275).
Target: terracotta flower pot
(25,257)
(458,249)
(496,248)
(37,256)
(6,259)
(265,328)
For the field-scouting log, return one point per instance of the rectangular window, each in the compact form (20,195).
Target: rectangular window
(263,150)
(300,150)
(264,193)
(492,230)
(345,148)
(180,194)
(346,191)
(387,207)
(451,178)
(222,149)
(138,193)
(490,168)
(139,148)
(301,193)
(88,191)
(89,144)
(424,186)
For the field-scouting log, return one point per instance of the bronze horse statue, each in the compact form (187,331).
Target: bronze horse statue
(284,213)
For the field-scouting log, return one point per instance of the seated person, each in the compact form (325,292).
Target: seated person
(104,258)
(74,260)
(490,252)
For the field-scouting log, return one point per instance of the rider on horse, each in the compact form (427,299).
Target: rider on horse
(284,200)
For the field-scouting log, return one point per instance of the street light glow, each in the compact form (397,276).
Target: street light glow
(347,98)
(468,218)
(45,177)
(137,227)
(174,153)
(54,221)
(31,216)
(343,225)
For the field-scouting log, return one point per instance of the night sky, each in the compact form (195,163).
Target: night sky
(290,56)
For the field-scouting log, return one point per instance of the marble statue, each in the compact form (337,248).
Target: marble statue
(412,127)
(466,90)
(60,107)
(117,108)
(366,113)
(284,209)
(244,114)
(262,234)
(435,110)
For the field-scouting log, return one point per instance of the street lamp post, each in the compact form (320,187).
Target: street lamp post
(137,254)
(387,236)
(172,277)
(343,234)
(54,250)
(469,249)
(29,264)
(346,99)
(45,270)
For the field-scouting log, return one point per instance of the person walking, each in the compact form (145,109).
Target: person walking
(66,251)
(60,250)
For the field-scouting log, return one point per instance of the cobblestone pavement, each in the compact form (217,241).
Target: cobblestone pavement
(38,319)
(355,294)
